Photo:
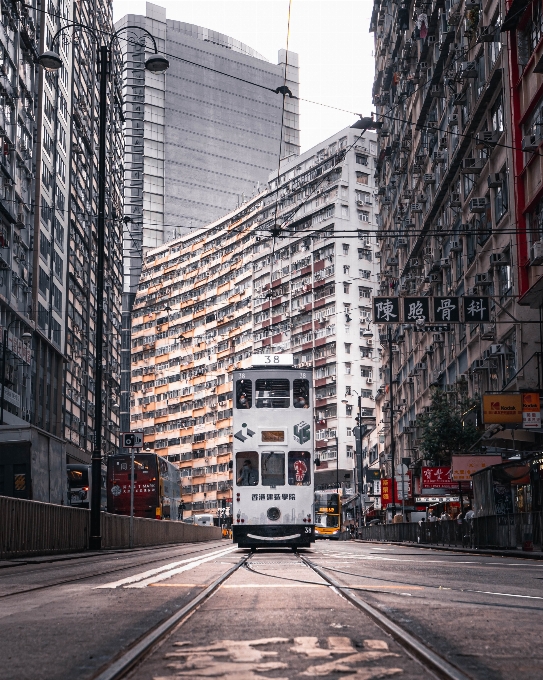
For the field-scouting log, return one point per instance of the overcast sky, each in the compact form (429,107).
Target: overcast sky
(330,36)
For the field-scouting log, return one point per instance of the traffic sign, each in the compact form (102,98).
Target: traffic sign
(132,440)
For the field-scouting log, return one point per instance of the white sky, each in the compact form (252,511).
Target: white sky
(331,37)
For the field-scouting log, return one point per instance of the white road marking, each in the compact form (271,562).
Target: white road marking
(167,568)
(488,592)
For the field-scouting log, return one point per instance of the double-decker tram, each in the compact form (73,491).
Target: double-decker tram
(273,454)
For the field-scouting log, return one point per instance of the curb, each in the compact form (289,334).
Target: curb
(467,551)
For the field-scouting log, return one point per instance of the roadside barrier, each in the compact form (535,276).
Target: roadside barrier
(520,530)
(32,528)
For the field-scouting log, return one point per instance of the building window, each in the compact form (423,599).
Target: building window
(348,348)
(57,298)
(348,410)
(364,292)
(366,372)
(345,247)
(362,178)
(501,198)
(43,282)
(349,432)
(361,160)
(348,367)
(365,254)
(345,211)
(364,273)
(346,269)
(347,390)
(505,278)
(350,451)
(346,287)
(364,216)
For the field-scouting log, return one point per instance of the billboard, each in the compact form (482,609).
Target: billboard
(464,466)
(438,478)
(531,410)
(502,408)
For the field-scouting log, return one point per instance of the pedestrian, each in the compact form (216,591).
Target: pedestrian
(445,517)
(470,514)
(431,516)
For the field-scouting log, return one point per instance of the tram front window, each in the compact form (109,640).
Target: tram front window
(244,394)
(300,393)
(324,520)
(272,393)
(299,468)
(273,468)
(247,468)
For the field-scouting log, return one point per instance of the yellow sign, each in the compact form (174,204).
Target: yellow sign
(502,408)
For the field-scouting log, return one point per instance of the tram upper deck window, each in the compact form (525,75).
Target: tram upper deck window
(300,388)
(244,394)
(299,468)
(247,468)
(272,393)
(273,468)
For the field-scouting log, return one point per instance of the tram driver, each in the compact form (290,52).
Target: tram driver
(248,476)
(301,402)
(243,402)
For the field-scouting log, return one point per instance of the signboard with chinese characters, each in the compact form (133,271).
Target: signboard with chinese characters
(531,410)
(502,408)
(446,309)
(464,466)
(416,309)
(437,478)
(386,310)
(424,311)
(476,309)
(386,492)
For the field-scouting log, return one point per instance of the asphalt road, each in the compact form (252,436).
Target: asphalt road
(274,617)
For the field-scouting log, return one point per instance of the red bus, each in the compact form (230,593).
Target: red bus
(157,486)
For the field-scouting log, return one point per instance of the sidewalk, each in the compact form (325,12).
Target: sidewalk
(520,554)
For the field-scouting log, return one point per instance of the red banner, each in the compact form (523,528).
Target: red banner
(438,478)
(386,491)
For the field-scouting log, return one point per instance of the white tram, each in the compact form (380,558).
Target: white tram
(273,494)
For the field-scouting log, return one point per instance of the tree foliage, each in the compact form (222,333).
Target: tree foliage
(444,429)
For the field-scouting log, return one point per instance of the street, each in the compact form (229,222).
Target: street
(274,617)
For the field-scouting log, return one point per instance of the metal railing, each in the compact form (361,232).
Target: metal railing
(515,531)
(32,528)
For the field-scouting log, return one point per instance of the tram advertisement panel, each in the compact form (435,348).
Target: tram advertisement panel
(273,456)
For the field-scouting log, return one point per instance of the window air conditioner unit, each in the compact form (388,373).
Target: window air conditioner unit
(496,349)
(456,246)
(455,200)
(477,205)
(401,243)
(437,337)
(437,90)
(537,253)
(497,259)
(468,69)
(486,33)
(483,279)
(369,381)
(487,138)
(420,366)
(416,208)
(434,278)
(478,365)
(438,157)
(495,180)
(473,166)
(429,178)
(530,143)
(453,120)
(472,4)
(444,262)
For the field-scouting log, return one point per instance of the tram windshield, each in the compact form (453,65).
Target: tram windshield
(300,393)
(272,393)
(247,468)
(273,468)
(244,394)
(324,520)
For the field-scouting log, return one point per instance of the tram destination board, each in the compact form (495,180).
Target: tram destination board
(431,311)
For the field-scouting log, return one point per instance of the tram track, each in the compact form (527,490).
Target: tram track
(94,574)
(430,660)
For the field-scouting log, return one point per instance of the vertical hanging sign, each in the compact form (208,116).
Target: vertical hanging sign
(531,410)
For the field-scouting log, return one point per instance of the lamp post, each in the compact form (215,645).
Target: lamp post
(158,64)
(391,404)
(5,337)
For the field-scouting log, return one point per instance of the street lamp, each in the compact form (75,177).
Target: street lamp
(25,336)
(158,64)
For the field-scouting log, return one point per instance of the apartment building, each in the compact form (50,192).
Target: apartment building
(293,270)
(447,184)
(50,140)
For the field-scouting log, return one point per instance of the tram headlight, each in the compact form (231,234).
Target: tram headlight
(273,514)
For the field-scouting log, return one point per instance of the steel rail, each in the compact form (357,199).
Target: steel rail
(426,656)
(118,668)
(93,575)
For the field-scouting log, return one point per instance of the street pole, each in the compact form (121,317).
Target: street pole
(131,528)
(4,346)
(391,404)
(360,440)
(95,541)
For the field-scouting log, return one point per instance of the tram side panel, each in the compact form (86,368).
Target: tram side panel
(273,458)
